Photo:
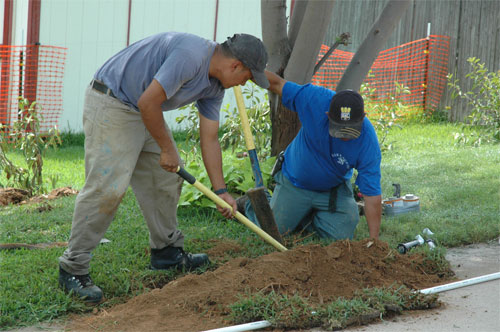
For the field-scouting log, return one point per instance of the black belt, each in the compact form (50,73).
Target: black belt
(101,87)
(332,203)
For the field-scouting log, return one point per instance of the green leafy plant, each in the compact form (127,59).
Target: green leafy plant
(259,119)
(191,122)
(484,99)
(238,177)
(25,136)
(386,112)
(236,166)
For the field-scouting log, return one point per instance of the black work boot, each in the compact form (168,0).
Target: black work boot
(81,285)
(175,257)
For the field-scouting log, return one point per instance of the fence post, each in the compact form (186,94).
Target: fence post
(426,74)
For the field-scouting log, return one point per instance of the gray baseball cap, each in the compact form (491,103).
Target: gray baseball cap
(252,53)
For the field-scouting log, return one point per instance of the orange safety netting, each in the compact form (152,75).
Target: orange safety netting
(34,72)
(421,66)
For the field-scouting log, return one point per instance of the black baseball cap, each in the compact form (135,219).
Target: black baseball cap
(346,114)
(252,53)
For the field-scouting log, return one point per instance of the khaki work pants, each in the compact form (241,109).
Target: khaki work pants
(119,151)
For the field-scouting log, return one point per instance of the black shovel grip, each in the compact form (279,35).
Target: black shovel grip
(186,175)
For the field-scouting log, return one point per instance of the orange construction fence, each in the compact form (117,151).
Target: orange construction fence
(421,65)
(34,72)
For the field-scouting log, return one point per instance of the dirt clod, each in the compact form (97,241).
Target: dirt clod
(21,196)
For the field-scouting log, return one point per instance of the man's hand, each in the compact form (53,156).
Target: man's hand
(229,200)
(169,160)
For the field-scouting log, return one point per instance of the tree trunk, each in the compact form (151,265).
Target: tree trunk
(274,36)
(292,57)
(314,24)
(368,51)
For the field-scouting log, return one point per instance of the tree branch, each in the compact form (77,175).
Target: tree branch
(342,39)
(371,46)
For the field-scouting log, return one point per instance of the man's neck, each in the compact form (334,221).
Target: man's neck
(213,67)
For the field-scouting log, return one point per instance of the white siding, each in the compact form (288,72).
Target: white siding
(19,22)
(2,11)
(93,30)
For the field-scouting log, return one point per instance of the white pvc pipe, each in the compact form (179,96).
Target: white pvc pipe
(461,283)
(243,327)
(442,288)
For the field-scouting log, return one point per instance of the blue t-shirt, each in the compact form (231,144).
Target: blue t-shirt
(316,161)
(178,61)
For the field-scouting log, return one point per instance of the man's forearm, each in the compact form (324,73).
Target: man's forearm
(212,158)
(373,214)
(155,124)
(276,82)
(211,151)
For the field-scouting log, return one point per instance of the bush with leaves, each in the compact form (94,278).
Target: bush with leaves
(386,113)
(236,167)
(25,136)
(238,176)
(259,119)
(484,99)
(232,133)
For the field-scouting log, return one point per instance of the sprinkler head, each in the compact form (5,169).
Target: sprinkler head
(427,232)
(403,248)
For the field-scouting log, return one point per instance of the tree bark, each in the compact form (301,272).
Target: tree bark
(368,51)
(292,57)
(312,32)
(297,16)
(274,36)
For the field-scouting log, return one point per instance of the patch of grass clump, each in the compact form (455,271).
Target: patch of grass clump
(295,312)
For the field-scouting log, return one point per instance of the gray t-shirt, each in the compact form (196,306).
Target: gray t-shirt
(178,61)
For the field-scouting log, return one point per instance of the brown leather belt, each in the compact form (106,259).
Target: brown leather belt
(101,87)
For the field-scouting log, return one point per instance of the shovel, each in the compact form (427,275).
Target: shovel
(256,195)
(219,201)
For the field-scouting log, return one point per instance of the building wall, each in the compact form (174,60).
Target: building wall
(94,30)
(20,22)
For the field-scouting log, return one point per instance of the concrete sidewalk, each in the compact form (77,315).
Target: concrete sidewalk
(472,308)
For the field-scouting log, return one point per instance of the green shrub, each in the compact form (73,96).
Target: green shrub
(387,113)
(25,136)
(484,99)
(236,166)
(259,120)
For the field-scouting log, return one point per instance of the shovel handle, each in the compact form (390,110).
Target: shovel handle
(219,201)
(252,152)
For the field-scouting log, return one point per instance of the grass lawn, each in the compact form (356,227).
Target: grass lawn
(458,188)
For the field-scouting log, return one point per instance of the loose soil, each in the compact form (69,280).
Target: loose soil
(21,196)
(319,273)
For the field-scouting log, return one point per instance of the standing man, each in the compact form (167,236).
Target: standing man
(314,175)
(128,142)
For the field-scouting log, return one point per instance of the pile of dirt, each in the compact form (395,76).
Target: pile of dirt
(320,273)
(21,196)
